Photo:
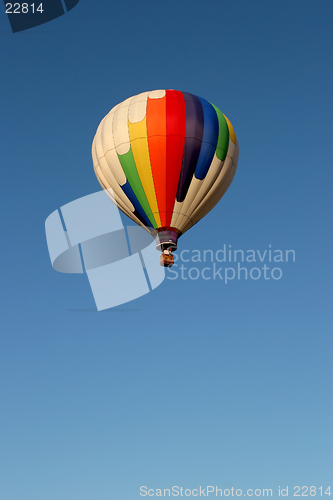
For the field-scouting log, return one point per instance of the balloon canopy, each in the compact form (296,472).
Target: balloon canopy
(165,158)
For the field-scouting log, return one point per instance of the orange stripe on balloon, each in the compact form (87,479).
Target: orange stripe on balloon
(175,139)
(156,131)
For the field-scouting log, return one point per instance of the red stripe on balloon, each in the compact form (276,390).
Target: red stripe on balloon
(156,132)
(175,139)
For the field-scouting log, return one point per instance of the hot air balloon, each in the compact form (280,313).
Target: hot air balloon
(165,158)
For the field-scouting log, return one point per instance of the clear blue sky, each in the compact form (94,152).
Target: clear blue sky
(198,382)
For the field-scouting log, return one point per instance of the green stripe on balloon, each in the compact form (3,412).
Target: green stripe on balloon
(129,167)
(223,139)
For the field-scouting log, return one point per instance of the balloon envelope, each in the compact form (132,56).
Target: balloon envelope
(166,158)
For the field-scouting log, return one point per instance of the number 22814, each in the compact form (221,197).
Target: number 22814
(23,8)
(305,491)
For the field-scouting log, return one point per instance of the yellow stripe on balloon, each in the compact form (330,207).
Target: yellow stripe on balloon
(231,130)
(139,145)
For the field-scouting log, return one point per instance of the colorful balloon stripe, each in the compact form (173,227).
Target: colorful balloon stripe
(209,140)
(138,210)
(168,156)
(128,164)
(139,145)
(175,139)
(223,139)
(156,132)
(193,140)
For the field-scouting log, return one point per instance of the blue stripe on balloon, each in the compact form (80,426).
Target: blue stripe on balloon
(209,140)
(192,146)
(139,212)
